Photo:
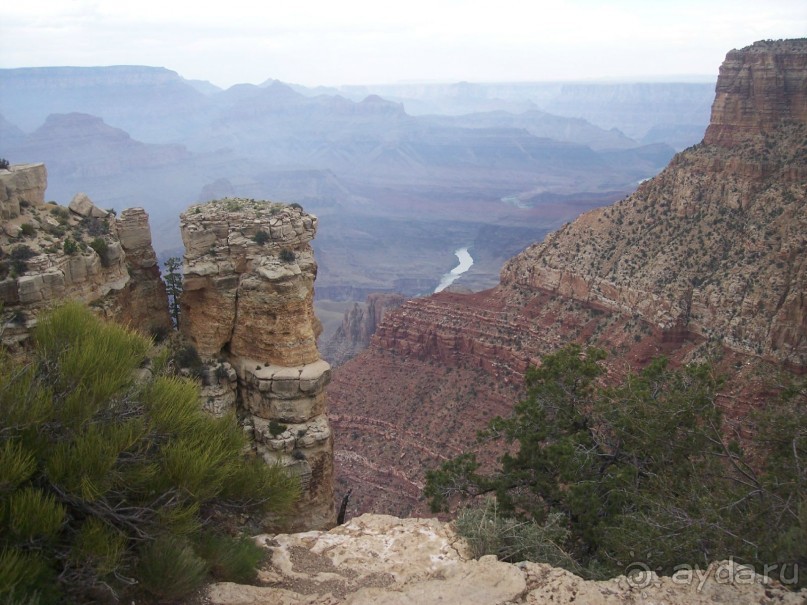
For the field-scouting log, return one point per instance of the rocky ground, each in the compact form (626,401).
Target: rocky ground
(381,559)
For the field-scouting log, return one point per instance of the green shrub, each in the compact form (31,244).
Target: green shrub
(19,255)
(296,205)
(104,479)
(276,428)
(221,372)
(27,229)
(26,578)
(22,252)
(169,568)
(610,460)
(94,226)
(101,248)
(70,246)
(261,237)
(488,532)
(287,256)
(159,333)
(4,165)
(61,213)
(188,357)
(231,559)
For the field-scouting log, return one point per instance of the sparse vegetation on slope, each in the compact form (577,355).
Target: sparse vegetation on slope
(644,469)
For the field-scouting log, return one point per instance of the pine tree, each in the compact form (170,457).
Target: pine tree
(644,467)
(111,487)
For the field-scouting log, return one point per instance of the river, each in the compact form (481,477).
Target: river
(449,278)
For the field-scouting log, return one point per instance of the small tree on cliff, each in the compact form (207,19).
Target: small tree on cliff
(112,488)
(173,285)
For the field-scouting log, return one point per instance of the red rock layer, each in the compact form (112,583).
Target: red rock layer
(758,88)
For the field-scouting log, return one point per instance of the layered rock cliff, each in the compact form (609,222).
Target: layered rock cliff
(248,300)
(759,88)
(708,260)
(51,252)
(381,559)
(717,243)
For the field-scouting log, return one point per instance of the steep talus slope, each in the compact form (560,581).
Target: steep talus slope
(707,260)
(439,368)
(716,243)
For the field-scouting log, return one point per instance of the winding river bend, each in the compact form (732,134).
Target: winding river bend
(449,278)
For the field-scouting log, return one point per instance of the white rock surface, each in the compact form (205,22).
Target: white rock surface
(378,559)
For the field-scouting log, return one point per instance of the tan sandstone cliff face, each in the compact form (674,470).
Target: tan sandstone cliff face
(248,299)
(21,182)
(119,277)
(143,301)
(759,87)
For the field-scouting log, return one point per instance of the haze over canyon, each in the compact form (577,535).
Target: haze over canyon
(370,273)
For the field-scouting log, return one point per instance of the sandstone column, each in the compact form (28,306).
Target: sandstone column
(248,299)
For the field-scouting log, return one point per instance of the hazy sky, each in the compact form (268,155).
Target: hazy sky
(362,41)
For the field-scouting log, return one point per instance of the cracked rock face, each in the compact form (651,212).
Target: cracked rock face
(248,297)
(24,183)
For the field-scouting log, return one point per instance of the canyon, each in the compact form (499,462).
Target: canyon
(398,191)
(706,261)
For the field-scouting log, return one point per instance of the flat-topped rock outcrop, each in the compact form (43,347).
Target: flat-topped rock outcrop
(759,87)
(248,298)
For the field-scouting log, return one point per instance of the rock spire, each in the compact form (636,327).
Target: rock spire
(248,300)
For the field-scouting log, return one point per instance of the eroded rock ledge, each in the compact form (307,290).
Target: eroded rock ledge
(248,301)
(382,559)
(50,252)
